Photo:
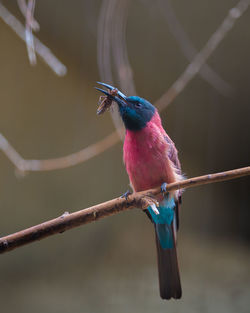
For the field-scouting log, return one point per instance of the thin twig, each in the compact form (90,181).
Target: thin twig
(189,51)
(122,65)
(201,58)
(111,45)
(44,52)
(104,56)
(58,163)
(94,213)
(28,32)
(23,8)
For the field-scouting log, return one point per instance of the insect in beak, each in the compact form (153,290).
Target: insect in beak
(113,94)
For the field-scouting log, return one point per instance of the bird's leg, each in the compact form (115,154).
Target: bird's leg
(164,191)
(126,194)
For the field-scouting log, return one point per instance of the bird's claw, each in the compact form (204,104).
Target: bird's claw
(126,194)
(147,201)
(164,190)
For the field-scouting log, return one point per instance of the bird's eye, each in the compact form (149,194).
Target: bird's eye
(137,105)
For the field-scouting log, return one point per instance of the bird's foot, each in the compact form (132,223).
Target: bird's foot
(147,201)
(164,190)
(126,194)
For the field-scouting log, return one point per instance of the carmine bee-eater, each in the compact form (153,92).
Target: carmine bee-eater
(151,160)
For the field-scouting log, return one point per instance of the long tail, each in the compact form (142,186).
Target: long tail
(169,276)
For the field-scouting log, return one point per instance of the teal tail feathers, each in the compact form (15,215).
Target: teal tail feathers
(165,235)
(168,270)
(164,221)
(165,230)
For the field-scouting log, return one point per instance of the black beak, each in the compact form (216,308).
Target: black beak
(117,96)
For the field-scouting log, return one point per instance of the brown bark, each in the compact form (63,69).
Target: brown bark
(94,213)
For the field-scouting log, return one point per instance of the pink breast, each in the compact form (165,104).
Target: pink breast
(145,157)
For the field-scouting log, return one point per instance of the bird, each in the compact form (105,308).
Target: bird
(151,160)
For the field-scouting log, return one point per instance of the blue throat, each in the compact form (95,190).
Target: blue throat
(137,113)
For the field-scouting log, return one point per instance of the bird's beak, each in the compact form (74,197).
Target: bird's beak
(114,94)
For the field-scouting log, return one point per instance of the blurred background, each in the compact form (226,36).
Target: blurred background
(110,266)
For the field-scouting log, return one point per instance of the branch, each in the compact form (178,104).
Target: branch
(189,51)
(81,156)
(200,59)
(94,213)
(122,65)
(28,32)
(44,52)
(111,46)
(104,56)
(23,8)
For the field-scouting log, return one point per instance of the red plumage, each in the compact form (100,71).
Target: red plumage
(150,156)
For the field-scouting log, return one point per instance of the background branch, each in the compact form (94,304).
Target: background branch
(200,59)
(104,51)
(94,213)
(23,8)
(44,52)
(83,155)
(189,51)
(28,31)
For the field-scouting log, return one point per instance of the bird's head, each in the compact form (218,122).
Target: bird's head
(136,112)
